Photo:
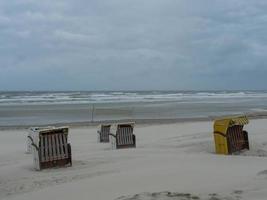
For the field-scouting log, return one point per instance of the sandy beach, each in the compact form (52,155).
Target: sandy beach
(171,161)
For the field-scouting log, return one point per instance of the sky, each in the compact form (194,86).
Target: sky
(133,44)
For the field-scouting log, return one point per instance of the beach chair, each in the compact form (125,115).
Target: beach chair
(50,148)
(31,132)
(229,136)
(122,136)
(103,133)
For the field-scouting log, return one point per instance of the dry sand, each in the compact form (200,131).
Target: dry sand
(171,161)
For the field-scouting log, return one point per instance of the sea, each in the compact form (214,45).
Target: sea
(34,108)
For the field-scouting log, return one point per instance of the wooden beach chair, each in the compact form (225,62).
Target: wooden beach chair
(122,136)
(229,136)
(51,148)
(103,133)
(31,132)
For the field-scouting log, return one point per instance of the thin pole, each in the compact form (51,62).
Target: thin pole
(93,110)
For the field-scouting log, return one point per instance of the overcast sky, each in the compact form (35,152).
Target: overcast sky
(133,44)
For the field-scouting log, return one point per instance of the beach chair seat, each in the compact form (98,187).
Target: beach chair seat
(229,136)
(103,133)
(51,148)
(122,136)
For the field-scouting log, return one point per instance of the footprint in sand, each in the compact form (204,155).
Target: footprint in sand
(262,173)
(174,196)
(160,196)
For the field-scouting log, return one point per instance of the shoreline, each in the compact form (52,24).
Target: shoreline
(256,115)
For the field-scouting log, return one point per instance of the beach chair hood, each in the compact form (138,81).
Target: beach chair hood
(221,125)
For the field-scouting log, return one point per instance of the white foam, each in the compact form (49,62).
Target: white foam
(109,97)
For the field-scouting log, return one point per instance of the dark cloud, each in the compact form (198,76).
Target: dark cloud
(125,44)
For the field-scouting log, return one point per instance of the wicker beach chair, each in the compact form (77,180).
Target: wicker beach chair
(122,136)
(229,136)
(50,148)
(103,133)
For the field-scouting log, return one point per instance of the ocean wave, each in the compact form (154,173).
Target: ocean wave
(110,97)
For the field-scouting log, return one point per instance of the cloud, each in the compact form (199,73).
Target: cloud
(4,20)
(124,44)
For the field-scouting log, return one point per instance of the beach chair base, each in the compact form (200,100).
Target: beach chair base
(103,140)
(238,143)
(125,146)
(67,162)
(115,145)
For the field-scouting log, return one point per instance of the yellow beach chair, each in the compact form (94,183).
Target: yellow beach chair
(229,136)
